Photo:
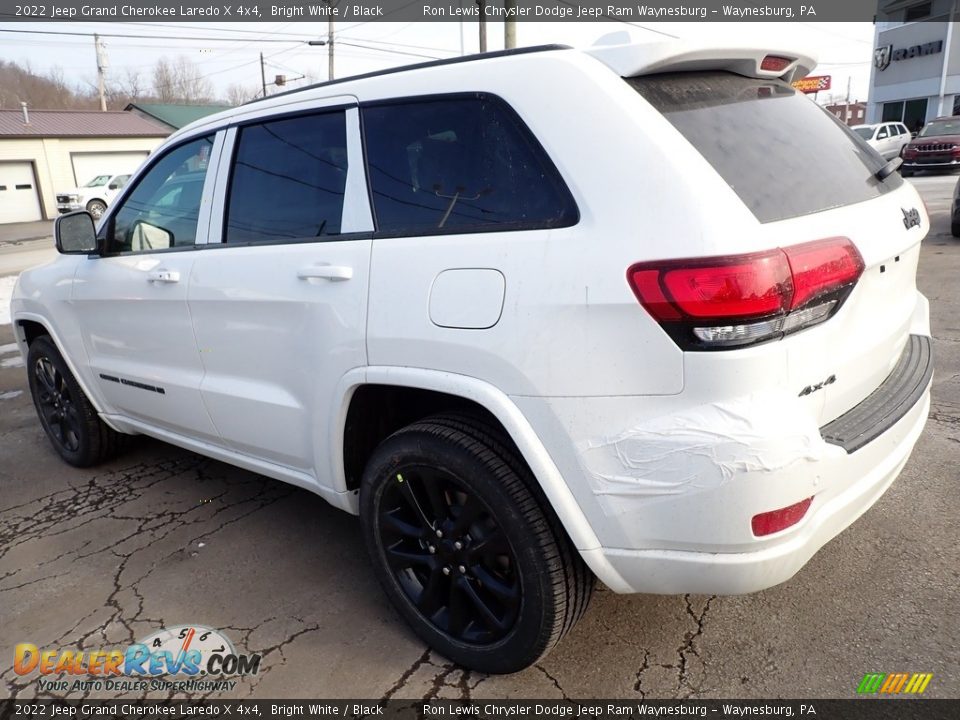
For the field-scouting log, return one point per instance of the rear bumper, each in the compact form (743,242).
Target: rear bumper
(671,499)
(672,571)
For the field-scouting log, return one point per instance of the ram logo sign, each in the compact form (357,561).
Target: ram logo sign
(884,55)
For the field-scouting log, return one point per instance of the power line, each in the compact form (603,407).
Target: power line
(143,37)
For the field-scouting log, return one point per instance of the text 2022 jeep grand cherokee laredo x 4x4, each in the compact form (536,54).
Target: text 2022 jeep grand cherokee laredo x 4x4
(538,317)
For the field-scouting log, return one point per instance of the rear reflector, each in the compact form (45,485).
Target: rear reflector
(737,300)
(776,520)
(775,63)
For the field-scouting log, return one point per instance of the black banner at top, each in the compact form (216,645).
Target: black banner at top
(637,11)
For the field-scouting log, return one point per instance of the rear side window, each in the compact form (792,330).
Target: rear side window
(781,153)
(460,164)
(288,181)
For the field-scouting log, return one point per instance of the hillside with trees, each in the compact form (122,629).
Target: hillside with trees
(177,81)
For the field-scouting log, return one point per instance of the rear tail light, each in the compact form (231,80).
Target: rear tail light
(775,63)
(732,301)
(776,520)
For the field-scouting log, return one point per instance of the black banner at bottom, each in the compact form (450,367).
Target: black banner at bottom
(854,709)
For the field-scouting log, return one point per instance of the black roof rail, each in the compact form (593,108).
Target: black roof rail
(418,66)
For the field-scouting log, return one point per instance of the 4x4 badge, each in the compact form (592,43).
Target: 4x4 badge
(911,217)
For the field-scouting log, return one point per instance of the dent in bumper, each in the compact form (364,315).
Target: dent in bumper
(698,450)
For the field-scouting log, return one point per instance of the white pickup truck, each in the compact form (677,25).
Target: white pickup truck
(94,197)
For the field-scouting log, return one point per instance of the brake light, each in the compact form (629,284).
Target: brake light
(775,63)
(768,523)
(724,302)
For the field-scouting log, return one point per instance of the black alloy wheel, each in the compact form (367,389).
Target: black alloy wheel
(58,413)
(68,418)
(466,546)
(449,554)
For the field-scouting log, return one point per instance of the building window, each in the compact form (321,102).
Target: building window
(956,104)
(917,12)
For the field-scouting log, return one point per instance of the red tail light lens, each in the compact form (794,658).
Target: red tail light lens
(775,63)
(820,267)
(776,520)
(724,302)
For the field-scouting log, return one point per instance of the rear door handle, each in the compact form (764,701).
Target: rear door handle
(163,276)
(325,272)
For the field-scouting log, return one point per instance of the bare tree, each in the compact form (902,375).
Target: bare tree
(127,89)
(239,94)
(42,92)
(180,81)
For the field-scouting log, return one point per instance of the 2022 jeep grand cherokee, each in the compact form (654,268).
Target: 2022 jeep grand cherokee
(642,313)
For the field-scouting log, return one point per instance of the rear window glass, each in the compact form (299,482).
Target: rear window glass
(781,153)
(459,164)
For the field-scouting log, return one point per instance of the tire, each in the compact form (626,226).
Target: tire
(513,557)
(906,173)
(96,208)
(75,429)
(955,229)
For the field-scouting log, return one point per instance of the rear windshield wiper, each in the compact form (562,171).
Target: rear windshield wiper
(889,169)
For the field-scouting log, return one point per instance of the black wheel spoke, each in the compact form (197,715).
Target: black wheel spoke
(457,610)
(46,375)
(406,491)
(494,585)
(491,546)
(469,512)
(431,596)
(487,616)
(403,559)
(394,522)
(439,506)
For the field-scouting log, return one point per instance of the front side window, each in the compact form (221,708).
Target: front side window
(460,164)
(289,180)
(163,210)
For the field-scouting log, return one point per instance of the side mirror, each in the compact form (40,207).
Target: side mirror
(75,233)
(112,186)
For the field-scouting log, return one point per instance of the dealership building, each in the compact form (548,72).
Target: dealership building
(915,75)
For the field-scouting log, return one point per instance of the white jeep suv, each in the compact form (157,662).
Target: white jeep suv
(539,317)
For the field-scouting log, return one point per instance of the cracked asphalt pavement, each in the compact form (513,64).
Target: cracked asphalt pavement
(97,559)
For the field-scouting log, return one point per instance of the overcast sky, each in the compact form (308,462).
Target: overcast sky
(844,49)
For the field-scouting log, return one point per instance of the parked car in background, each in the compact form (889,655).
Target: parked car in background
(886,138)
(936,147)
(671,364)
(94,197)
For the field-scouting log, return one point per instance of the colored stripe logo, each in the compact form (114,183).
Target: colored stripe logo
(894,683)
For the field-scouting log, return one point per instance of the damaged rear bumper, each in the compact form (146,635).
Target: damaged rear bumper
(725,573)
(671,500)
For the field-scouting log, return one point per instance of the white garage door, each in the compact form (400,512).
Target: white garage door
(87,166)
(19,201)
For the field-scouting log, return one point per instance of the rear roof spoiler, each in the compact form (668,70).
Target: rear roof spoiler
(632,59)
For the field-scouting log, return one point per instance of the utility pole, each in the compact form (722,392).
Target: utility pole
(102,65)
(846,105)
(482,4)
(509,25)
(263,76)
(330,6)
